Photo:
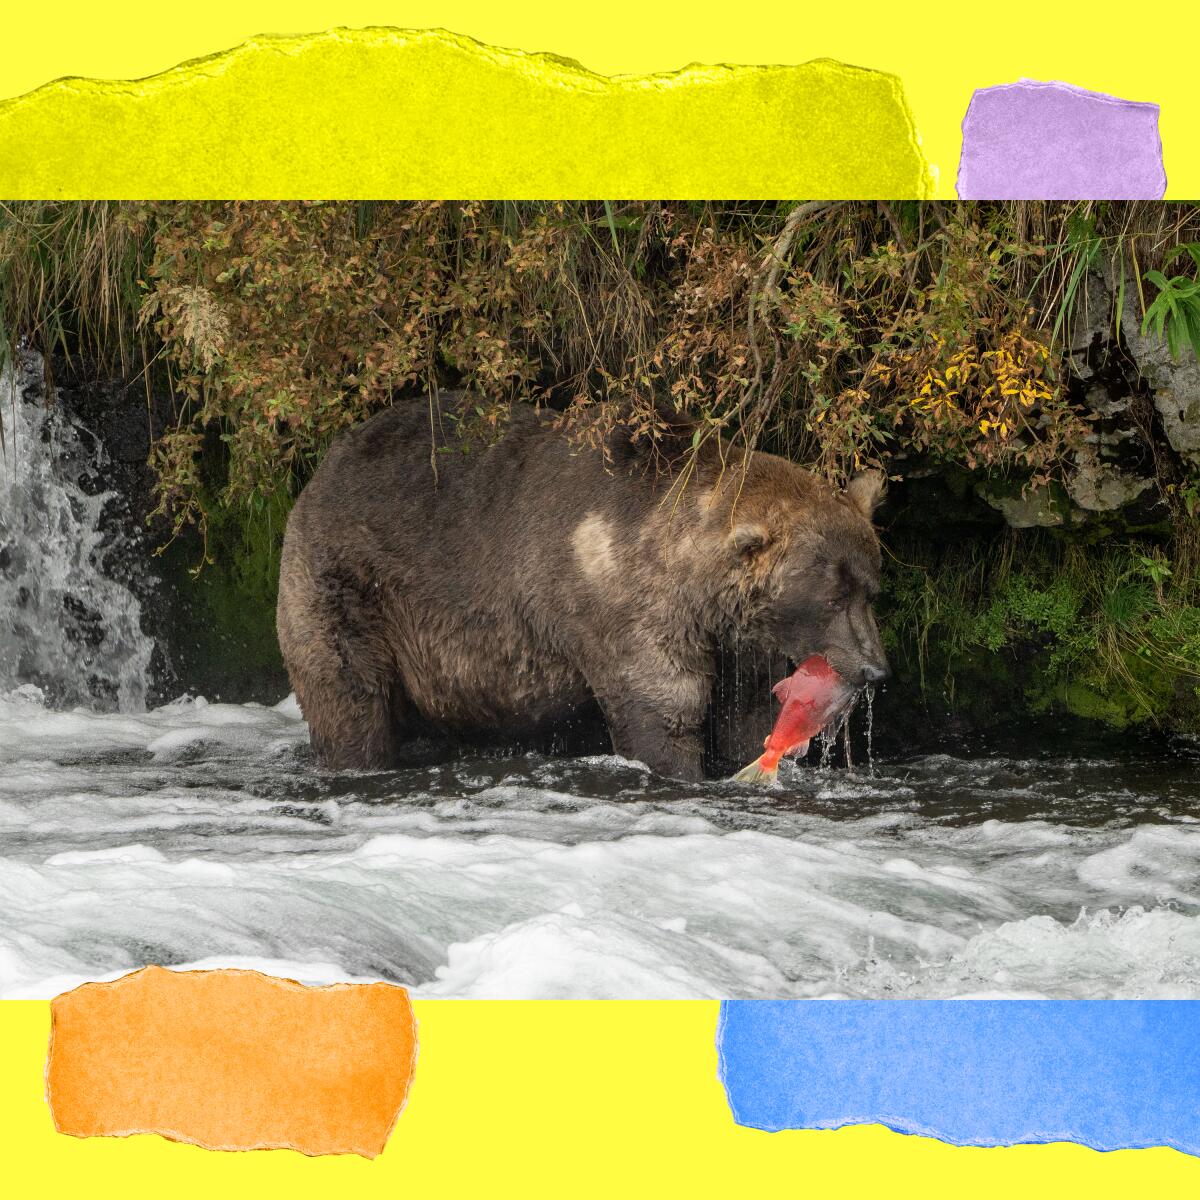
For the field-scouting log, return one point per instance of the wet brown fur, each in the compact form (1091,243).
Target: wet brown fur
(527,582)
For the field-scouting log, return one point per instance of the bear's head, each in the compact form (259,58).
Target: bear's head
(802,564)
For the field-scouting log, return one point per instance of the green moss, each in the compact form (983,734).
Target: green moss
(224,640)
(1031,623)
(1083,702)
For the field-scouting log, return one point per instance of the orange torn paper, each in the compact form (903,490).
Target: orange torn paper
(232,1060)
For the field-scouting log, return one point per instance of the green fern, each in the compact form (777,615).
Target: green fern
(1175,311)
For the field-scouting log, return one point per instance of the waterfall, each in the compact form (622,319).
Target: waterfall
(70,624)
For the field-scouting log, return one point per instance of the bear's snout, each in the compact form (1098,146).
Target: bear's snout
(874,673)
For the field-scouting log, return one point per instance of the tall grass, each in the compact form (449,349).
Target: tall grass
(825,331)
(75,276)
(70,276)
(71,280)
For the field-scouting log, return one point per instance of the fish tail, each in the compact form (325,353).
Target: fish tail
(757,772)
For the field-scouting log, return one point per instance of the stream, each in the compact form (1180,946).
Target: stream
(203,834)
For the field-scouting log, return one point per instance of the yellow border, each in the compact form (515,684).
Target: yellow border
(940,52)
(609,1099)
(554,1099)
(430,113)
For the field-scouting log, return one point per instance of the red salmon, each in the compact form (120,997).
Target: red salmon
(811,696)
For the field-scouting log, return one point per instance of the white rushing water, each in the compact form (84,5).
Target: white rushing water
(201,834)
(66,623)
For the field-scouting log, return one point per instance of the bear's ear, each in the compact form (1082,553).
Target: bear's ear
(749,537)
(865,491)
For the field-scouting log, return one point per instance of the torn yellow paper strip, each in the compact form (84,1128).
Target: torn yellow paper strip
(232,1060)
(431,114)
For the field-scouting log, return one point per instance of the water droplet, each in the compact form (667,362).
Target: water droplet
(871,731)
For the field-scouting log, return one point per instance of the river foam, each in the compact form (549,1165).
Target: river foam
(202,835)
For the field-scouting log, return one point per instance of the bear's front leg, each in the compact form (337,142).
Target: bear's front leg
(668,747)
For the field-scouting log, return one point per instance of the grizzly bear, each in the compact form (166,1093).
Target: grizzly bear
(431,582)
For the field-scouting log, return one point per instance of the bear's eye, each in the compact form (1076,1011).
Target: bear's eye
(836,604)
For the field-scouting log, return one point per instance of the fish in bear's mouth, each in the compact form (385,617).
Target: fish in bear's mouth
(813,696)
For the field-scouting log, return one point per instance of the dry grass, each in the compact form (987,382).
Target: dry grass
(810,328)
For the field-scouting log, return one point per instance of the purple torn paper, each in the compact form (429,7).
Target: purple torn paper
(1054,141)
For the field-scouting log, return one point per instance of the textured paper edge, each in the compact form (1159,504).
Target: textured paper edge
(911,1128)
(186,1139)
(1073,89)
(548,69)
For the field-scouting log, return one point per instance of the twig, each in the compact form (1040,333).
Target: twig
(773,264)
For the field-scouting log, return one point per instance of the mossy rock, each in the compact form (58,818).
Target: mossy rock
(1082,701)
(222,640)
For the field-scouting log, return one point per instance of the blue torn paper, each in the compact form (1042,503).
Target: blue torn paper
(1111,1074)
